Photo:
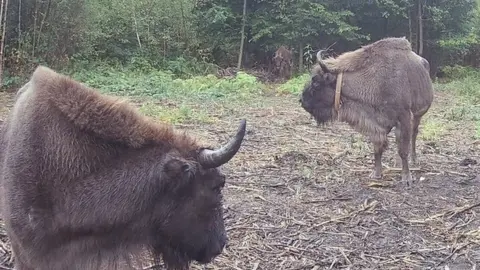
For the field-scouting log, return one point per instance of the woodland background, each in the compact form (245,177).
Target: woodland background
(198,37)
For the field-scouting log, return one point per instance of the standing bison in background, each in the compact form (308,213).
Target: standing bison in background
(283,63)
(373,89)
(89,183)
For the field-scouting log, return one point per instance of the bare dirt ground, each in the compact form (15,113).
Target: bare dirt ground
(298,196)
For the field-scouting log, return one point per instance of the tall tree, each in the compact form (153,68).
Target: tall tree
(3,19)
(242,41)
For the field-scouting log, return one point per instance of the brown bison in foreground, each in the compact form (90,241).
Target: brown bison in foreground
(89,183)
(373,89)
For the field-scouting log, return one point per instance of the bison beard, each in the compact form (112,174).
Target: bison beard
(89,183)
(385,85)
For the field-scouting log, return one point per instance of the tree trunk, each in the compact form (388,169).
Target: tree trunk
(184,26)
(410,30)
(45,16)
(300,59)
(420,28)
(19,24)
(35,28)
(242,42)
(2,45)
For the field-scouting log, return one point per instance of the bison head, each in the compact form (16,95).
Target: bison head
(319,93)
(192,227)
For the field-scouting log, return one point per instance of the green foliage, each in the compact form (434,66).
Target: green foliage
(162,84)
(175,115)
(477,130)
(457,72)
(466,84)
(432,129)
(294,85)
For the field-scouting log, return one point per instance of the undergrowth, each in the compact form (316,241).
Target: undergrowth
(163,85)
(464,84)
(294,85)
(195,97)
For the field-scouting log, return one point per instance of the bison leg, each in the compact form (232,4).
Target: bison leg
(398,160)
(403,145)
(378,147)
(415,124)
(18,264)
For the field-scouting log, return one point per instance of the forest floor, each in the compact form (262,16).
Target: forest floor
(298,196)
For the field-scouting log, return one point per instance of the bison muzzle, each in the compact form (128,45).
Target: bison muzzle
(89,183)
(373,89)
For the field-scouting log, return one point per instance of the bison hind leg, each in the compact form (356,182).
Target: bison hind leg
(415,124)
(379,147)
(403,135)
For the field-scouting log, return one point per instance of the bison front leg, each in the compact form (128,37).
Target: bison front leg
(403,137)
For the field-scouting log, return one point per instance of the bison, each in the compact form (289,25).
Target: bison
(90,183)
(283,62)
(374,88)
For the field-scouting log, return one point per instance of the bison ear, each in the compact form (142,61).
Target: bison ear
(180,171)
(317,78)
(329,78)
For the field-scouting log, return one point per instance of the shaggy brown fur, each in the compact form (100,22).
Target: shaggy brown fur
(107,117)
(283,62)
(87,182)
(384,84)
(366,56)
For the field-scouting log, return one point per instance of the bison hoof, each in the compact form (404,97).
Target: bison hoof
(407,178)
(376,175)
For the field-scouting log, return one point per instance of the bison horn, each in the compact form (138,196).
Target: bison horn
(320,62)
(214,158)
(319,55)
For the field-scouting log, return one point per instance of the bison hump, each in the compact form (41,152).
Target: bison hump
(368,55)
(104,116)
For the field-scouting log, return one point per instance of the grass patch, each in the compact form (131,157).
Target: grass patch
(161,84)
(156,87)
(477,130)
(432,129)
(465,106)
(295,85)
(175,115)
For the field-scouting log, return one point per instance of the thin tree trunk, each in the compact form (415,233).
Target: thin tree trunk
(300,59)
(185,38)
(135,25)
(420,28)
(34,28)
(1,13)
(2,45)
(410,33)
(45,15)
(244,19)
(136,31)
(19,24)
